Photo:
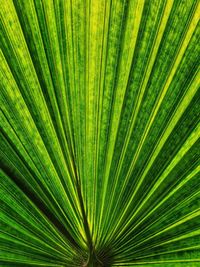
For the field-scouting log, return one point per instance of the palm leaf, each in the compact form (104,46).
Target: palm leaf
(99,133)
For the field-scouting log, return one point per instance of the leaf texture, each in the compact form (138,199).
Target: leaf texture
(100,133)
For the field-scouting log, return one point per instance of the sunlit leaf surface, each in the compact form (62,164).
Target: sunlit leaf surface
(100,127)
